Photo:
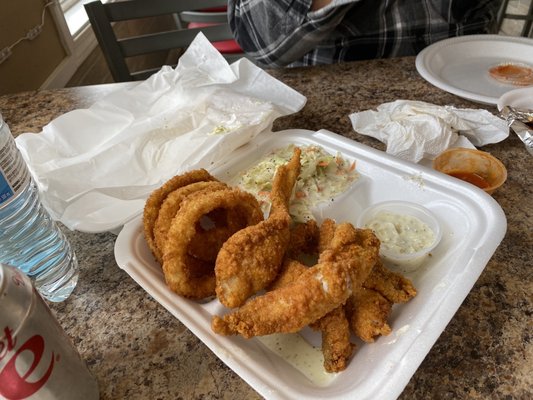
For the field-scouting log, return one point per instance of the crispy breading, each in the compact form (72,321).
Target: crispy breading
(304,239)
(289,272)
(317,291)
(156,198)
(334,327)
(250,259)
(171,205)
(393,286)
(326,232)
(179,274)
(288,309)
(359,247)
(336,345)
(368,312)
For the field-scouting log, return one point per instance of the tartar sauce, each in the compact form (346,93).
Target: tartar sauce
(400,233)
(306,358)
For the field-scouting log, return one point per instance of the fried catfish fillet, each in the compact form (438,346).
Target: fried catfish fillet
(368,312)
(334,326)
(336,345)
(369,308)
(393,286)
(289,272)
(251,258)
(317,291)
(303,240)
(325,234)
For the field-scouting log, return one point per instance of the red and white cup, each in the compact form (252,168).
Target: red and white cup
(37,359)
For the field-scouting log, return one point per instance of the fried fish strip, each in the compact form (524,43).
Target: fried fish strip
(325,235)
(317,291)
(393,286)
(369,308)
(368,312)
(303,239)
(289,308)
(179,274)
(250,259)
(336,346)
(358,247)
(334,326)
(289,272)
(154,201)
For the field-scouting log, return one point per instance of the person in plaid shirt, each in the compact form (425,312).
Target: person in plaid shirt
(280,33)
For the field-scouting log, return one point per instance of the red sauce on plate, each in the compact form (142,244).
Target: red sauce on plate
(515,74)
(471,177)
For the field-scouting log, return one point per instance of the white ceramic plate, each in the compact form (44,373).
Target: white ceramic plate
(460,65)
(473,225)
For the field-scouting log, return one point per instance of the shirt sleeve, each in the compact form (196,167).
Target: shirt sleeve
(279,32)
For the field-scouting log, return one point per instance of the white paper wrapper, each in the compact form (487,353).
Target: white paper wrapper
(414,130)
(95,167)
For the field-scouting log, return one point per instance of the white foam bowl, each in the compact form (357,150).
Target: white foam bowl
(519,98)
(404,262)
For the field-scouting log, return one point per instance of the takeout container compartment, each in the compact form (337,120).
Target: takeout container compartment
(404,262)
(469,161)
(472,223)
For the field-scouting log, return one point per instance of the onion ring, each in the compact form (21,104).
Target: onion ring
(153,204)
(208,241)
(170,206)
(179,274)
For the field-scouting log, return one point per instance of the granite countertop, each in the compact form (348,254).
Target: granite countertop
(138,350)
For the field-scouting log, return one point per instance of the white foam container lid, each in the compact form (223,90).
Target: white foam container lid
(473,226)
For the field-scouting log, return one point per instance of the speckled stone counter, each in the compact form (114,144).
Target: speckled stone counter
(137,350)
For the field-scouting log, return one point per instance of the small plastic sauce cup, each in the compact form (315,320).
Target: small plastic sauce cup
(473,166)
(397,259)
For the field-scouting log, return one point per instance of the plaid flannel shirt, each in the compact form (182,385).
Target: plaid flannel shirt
(287,33)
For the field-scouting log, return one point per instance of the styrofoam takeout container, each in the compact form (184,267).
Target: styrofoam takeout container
(519,98)
(404,262)
(472,223)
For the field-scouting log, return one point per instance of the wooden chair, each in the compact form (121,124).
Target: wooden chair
(117,50)
(527,27)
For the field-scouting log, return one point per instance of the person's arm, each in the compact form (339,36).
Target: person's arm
(279,32)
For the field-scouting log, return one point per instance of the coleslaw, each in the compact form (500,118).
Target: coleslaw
(323,177)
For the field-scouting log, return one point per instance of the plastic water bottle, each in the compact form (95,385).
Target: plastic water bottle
(29,238)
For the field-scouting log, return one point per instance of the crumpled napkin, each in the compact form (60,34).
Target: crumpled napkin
(413,130)
(95,167)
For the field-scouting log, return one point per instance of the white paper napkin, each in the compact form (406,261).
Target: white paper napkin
(95,167)
(413,130)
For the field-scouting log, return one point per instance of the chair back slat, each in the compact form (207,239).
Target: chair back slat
(126,10)
(509,12)
(206,17)
(117,50)
(152,43)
